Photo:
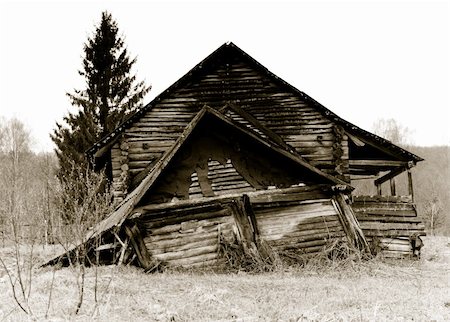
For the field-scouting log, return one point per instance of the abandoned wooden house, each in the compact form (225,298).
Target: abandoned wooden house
(232,153)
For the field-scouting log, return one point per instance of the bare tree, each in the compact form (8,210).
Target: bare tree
(393,131)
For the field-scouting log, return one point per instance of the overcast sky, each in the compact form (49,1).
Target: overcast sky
(364,60)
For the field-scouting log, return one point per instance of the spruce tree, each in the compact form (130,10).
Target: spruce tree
(111,93)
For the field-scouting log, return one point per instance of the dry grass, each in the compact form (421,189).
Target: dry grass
(373,290)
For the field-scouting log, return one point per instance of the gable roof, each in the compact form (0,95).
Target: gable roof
(222,54)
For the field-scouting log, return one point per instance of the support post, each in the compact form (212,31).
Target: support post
(410,185)
(378,188)
(392,182)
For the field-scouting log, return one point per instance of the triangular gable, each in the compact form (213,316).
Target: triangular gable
(222,54)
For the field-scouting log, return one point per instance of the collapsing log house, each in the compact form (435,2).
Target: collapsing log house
(231,153)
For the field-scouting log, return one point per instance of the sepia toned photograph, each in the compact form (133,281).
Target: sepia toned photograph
(224,160)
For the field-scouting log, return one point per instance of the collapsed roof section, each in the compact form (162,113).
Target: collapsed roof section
(247,129)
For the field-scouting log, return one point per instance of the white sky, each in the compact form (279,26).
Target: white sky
(363,60)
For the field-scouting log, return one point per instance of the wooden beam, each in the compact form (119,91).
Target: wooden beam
(377,163)
(350,224)
(140,249)
(389,175)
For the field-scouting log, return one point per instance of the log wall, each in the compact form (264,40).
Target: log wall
(302,222)
(188,236)
(389,223)
(188,233)
(290,116)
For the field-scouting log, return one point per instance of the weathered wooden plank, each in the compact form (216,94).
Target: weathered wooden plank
(385,212)
(387,219)
(393,232)
(381,199)
(186,253)
(367,225)
(297,240)
(301,233)
(198,219)
(205,232)
(157,248)
(190,261)
(144,258)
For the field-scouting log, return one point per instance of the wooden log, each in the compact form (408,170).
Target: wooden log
(187,253)
(392,174)
(286,227)
(266,207)
(296,214)
(387,219)
(311,233)
(308,238)
(199,219)
(203,210)
(245,230)
(189,239)
(392,184)
(377,163)
(305,250)
(367,225)
(178,226)
(393,233)
(157,249)
(144,258)
(189,261)
(300,220)
(392,199)
(385,212)
(350,224)
(209,231)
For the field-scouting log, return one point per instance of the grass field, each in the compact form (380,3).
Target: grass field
(376,290)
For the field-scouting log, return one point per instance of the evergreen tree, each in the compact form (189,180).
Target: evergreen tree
(111,94)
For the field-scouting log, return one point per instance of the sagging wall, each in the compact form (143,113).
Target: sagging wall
(299,222)
(390,223)
(189,234)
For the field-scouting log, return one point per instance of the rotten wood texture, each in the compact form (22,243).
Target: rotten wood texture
(188,234)
(352,228)
(410,185)
(392,174)
(377,163)
(144,258)
(392,185)
(306,225)
(382,199)
(388,221)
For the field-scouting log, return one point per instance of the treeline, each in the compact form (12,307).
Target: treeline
(432,186)
(27,185)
